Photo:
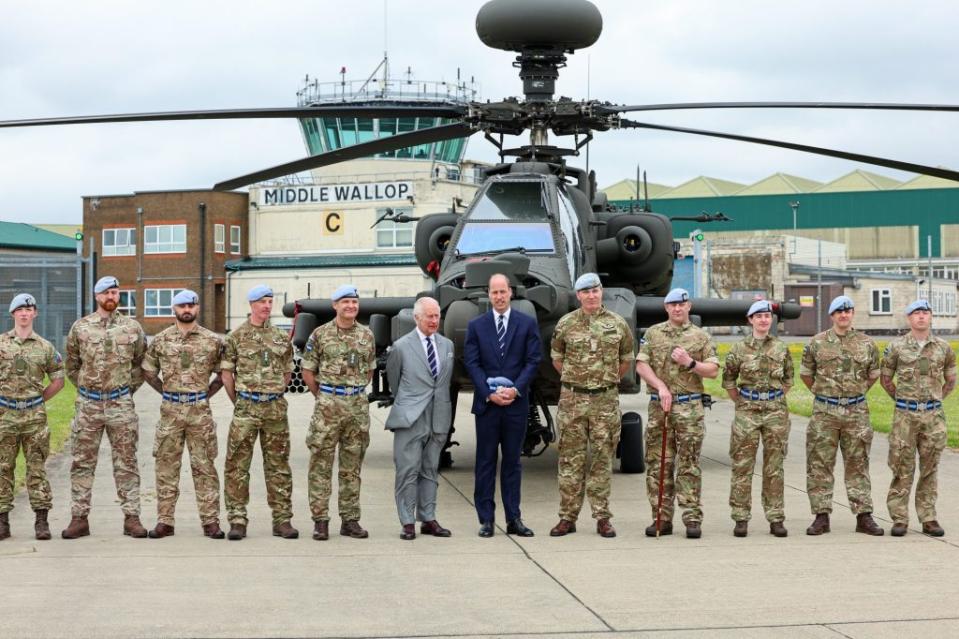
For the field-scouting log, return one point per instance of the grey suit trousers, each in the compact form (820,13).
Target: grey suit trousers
(416,455)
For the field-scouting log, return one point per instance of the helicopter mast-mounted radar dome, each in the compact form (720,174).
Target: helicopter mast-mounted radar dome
(541,31)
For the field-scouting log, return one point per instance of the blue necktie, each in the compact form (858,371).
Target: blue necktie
(431,358)
(501,334)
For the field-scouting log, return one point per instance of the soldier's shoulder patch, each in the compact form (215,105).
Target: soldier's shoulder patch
(57,357)
(887,350)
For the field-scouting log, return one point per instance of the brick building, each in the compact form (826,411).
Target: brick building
(157,243)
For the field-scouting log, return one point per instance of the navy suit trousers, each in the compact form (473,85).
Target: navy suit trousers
(497,430)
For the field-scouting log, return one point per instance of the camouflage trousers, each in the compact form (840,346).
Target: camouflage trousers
(833,428)
(119,419)
(684,443)
(268,421)
(754,421)
(912,432)
(344,422)
(589,428)
(26,430)
(193,424)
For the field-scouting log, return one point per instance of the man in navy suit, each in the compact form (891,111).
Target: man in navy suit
(505,345)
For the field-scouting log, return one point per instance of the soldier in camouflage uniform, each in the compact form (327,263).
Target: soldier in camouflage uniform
(178,364)
(924,368)
(839,365)
(104,352)
(592,348)
(337,365)
(758,375)
(673,359)
(256,367)
(25,360)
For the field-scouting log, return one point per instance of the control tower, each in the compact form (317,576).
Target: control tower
(323,134)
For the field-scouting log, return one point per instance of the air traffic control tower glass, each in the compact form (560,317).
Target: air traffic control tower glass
(329,134)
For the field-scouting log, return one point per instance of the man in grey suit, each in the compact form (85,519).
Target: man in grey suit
(419,368)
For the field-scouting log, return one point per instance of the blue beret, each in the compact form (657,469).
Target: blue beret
(918,305)
(346,290)
(259,292)
(676,295)
(587,281)
(105,284)
(841,303)
(23,299)
(762,306)
(186,296)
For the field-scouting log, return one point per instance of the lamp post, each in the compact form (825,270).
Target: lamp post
(795,207)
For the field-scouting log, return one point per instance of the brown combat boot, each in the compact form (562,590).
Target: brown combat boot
(777,529)
(932,528)
(694,530)
(237,532)
(4,525)
(605,528)
(133,528)
(286,531)
(40,526)
(564,527)
(866,524)
(321,530)
(665,528)
(161,531)
(353,529)
(77,528)
(899,530)
(819,525)
(213,530)
(741,529)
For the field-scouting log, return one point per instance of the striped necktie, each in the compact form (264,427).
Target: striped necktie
(501,333)
(431,357)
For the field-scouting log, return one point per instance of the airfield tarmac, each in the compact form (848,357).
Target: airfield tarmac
(842,584)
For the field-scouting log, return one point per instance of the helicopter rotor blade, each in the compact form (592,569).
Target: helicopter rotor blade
(330,111)
(845,155)
(872,106)
(391,143)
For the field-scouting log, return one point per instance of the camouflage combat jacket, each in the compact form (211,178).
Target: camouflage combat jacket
(759,364)
(259,357)
(103,354)
(591,347)
(919,369)
(184,361)
(840,366)
(25,363)
(656,349)
(340,357)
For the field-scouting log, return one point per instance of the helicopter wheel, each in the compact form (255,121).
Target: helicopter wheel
(632,458)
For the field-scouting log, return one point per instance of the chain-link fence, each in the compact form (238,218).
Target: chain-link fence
(54,281)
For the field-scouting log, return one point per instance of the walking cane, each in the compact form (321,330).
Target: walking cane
(662,474)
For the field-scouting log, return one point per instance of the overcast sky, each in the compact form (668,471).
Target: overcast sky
(79,58)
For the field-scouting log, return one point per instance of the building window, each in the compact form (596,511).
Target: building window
(389,234)
(169,238)
(881,301)
(128,303)
(158,302)
(234,239)
(219,238)
(119,242)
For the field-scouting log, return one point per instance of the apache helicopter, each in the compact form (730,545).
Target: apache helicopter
(536,219)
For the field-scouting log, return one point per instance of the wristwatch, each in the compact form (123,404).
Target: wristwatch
(692,365)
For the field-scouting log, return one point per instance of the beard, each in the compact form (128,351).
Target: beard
(186,317)
(108,305)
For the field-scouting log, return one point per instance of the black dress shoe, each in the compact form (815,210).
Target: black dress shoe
(433,528)
(486,529)
(408,532)
(517,527)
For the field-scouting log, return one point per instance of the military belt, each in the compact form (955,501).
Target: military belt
(260,397)
(344,391)
(841,401)
(184,398)
(679,399)
(103,395)
(588,391)
(917,406)
(20,404)
(762,396)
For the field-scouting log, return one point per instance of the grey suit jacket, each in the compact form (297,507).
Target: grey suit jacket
(414,387)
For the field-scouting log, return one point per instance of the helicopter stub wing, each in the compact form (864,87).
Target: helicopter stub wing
(714,312)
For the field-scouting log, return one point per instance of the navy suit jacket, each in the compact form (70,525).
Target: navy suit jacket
(483,359)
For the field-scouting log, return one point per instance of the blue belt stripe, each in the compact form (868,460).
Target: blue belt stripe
(103,396)
(841,401)
(344,391)
(915,406)
(21,404)
(679,399)
(753,395)
(184,398)
(259,397)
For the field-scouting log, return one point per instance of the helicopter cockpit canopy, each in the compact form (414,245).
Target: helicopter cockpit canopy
(509,215)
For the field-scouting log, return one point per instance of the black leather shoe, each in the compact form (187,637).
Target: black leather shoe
(517,527)
(408,532)
(433,528)
(486,529)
